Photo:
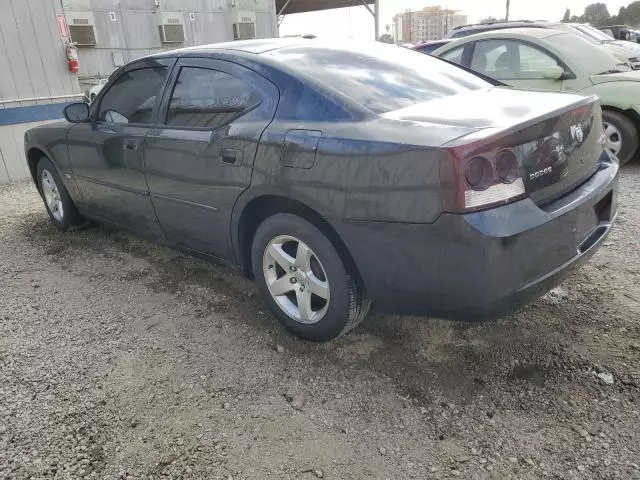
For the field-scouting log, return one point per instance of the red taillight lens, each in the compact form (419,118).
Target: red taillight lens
(507,168)
(486,178)
(479,173)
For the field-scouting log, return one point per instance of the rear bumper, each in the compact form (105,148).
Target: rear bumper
(486,264)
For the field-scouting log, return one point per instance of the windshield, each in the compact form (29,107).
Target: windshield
(380,77)
(593,33)
(589,58)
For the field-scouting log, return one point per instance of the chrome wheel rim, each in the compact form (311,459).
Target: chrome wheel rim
(613,138)
(52,195)
(296,279)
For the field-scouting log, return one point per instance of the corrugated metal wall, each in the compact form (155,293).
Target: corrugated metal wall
(128,29)
(32,56)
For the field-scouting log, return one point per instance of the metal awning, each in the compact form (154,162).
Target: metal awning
(284,7)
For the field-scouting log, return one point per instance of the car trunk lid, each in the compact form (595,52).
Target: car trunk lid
(557,138)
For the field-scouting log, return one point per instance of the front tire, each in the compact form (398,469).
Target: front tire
(304,279)
(56,198)
(621,135)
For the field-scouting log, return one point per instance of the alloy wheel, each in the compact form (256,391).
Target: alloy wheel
(613,138)
(52,195)
(296,279)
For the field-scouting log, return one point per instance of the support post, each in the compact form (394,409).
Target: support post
(376,18)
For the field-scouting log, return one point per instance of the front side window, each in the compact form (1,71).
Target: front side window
(204,98)
(132,97)
(510,60)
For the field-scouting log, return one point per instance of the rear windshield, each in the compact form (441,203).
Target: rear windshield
(592,59)
(380,77)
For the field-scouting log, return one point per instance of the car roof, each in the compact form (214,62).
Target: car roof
(517,32)
(250,46)
(499,23)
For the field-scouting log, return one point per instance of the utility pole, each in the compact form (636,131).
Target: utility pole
(376,15)
(507,16)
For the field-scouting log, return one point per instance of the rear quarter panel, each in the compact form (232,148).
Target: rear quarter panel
(377,170)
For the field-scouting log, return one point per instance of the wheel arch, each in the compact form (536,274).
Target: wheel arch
(259,208)
(34,154)
(630,113)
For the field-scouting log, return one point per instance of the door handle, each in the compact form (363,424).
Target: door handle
(231,156)
(131,144)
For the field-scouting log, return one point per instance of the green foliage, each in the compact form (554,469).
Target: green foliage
(489,20)
(597,14)
(386,38)
(629,15)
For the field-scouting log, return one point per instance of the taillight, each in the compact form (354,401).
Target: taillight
(486,178)
(490,167)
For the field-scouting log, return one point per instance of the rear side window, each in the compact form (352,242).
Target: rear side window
(454,55)
(382,78)
(132,97)
(511,60)
(204,98)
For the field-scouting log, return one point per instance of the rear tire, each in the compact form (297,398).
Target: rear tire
(304,279)
(56,198)
(621,135)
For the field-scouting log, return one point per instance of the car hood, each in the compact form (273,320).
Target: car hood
(633,49)
(496,107)
(632,76)
(621,53)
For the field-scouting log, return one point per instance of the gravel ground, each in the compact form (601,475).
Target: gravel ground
(123,359)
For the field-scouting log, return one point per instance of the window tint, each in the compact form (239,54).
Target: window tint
(454,55)
(380,77)
(206,98)
(510,60)
(132,97)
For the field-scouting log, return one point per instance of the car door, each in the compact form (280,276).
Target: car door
(516,63)
(200,158)
(106,153)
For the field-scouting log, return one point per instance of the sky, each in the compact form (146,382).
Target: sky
(357,22)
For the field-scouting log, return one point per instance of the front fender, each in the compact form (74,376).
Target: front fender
(51,141)
(622,95)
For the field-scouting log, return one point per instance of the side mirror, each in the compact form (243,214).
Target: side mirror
(554,73)
(77,112)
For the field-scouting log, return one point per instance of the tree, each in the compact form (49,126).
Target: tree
(630,15)
(596,14)
(386,38)
(567,16)
(489,20)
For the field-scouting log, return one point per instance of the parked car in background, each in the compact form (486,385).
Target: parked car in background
(92,93)
(471,29)
(339,176)
(546,59)
(620,32)
(429,47)
(622,50)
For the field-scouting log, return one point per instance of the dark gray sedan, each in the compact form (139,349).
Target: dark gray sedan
(339,177)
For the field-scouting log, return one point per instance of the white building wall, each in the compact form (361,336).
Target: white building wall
(13,165)
(35,82)
(128,29)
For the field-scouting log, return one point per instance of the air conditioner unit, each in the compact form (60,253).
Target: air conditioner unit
(244,25)
(82,29)
(172,27)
